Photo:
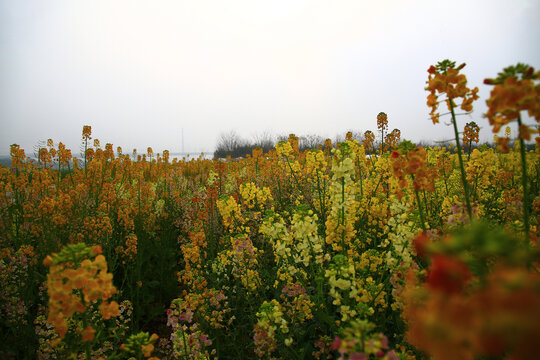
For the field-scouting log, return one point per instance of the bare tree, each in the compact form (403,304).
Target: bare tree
(264,140)
(310,141)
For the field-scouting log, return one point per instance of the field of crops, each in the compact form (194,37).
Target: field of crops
(375,249)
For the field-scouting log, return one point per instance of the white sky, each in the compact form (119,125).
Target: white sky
(140,71)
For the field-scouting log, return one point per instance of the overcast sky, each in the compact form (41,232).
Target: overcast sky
(139,72)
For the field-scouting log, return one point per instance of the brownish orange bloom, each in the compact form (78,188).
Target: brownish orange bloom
(446,79)
(147,349)
(502,144)
(90,154)
(382,121)
(470,133)
(369,139)
(88,334)
(44,156)
(413,163)
(257,152)
(87,132)
(497,319)
(97,250)
(109,310)
(73,269)
(391,140)
(327,144)
(109,152)
(516,89)
(17,155)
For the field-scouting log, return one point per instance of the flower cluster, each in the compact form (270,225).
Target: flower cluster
(231,213)
(516,89)
(270,324)
(253,196)
(140,343)
(360,342)
(369,140)
(328,241)
(77,279)
(470,134)
(392,139)
(444,78)
(414,164)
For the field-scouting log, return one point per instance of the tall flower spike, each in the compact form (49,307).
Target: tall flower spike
(515,89)
(369,138)
(382,125)
(444,78)
(470,134)
(87,132)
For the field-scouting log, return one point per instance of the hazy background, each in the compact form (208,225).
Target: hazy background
(139,72)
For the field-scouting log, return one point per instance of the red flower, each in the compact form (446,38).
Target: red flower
(336,343)
(448,274)
(420,243)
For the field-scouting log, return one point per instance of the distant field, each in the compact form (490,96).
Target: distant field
(5,160)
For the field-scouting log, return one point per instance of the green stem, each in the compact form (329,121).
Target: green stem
(342,212)
(423,222)
(85,149)
(524,181)
(382,140)
(461,167)
(306,197)
(321,199)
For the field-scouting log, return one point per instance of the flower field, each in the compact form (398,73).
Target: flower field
(372,249)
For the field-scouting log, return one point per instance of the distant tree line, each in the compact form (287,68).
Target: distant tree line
(233,145)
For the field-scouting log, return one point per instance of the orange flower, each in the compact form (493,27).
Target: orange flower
(382,121)
(109,310)
(70,270)
(516,89)
(327,144)
(470,133)
(88,334)
(48,261)
(87,132)
(147,349)
(445,78)
(502,145)
(369,138)
(97,250)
